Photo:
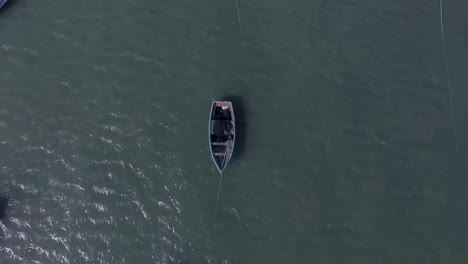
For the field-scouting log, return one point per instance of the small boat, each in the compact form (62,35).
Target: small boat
(222,131)
(2,2)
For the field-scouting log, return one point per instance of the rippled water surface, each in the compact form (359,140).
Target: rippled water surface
(345,153)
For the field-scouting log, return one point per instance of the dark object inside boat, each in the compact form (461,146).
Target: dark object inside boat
(221,125)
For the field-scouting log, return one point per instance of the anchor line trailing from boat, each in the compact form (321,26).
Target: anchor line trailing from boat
(240,21)
(449,85)
(219,187)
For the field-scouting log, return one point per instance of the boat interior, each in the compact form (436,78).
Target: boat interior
(221,114)
(221,126)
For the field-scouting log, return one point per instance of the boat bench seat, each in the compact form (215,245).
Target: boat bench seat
(220,154)
(220,143)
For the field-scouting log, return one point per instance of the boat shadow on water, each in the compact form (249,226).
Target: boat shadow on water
(241,125)
(4,201)
(3,206)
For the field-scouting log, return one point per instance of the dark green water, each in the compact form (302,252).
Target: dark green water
(346,150)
